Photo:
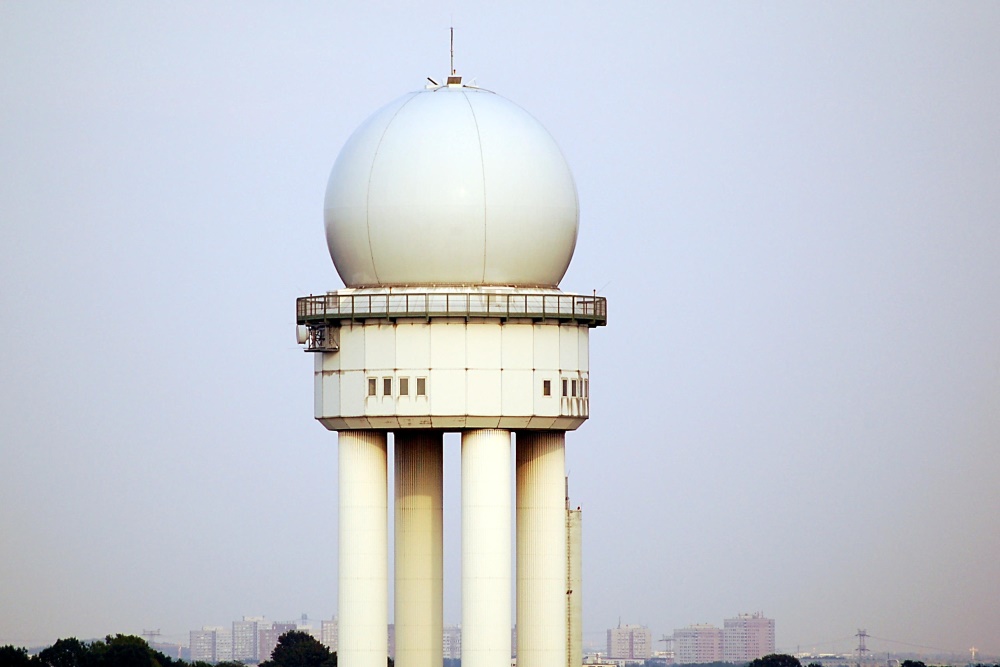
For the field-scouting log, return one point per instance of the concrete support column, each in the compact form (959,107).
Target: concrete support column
(486,549)
(541,549)
(419,593)
(574,587)
(363,590)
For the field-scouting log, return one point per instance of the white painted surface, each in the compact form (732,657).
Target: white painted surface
(574,588)
(478,374)
(419,597)
(486,548)
(541,549)
(451,186)
(363,586)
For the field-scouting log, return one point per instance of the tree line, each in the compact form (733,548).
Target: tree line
(294,649)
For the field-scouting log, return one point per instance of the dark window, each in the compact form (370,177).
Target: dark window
(573,385)
(565,387)
(387,386)
(372,385)
(546,387)
(404,386)
(421,386)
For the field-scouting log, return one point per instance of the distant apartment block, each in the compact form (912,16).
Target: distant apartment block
(630,642)
(747,637)
(329,633)
(743,638)
(211,644)
(253,639)
(245,641)
(452,642)
(698,643)
(267,637)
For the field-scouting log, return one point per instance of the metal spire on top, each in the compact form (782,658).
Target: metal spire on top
(453,79)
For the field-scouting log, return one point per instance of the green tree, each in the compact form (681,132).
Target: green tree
(69,652)
(11,656)
(776,660)
(912,663)
(300,649)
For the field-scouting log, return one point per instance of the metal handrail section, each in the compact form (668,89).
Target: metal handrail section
(333,307)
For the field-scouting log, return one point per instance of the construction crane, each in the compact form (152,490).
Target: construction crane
(667,646)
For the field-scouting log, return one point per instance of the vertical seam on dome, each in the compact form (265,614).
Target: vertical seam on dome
(368,186)
(482,170)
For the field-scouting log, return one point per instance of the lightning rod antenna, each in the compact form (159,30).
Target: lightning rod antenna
(452,29)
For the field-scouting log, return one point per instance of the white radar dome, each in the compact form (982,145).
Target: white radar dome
(452,185)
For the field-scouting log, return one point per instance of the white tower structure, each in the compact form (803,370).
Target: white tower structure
(451,216)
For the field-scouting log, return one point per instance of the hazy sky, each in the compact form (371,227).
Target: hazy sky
(793,209)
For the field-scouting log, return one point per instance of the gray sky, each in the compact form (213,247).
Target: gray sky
(791,207)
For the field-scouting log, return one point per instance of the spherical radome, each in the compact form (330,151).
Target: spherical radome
(451,186)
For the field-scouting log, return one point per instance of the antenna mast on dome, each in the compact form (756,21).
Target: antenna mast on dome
(453,79)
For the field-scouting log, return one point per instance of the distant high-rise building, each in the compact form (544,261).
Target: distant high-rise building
(245,642)
(452,641)
(747,637)
(223,644)
(268,635)
(698,643)
(328,633)
(203,644)
(630,642)
(211,644)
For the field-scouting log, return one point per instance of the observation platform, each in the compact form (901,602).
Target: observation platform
(350,306)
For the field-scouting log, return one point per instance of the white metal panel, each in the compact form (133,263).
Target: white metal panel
(546,346)
(352,393)
(483,345)
(569,348)
(517,350)
(517,422)
(448,345)
(318,386)
(541,404)
(584,349)
(328,361)
(483,393)
(380,404)
(517,390)
(472,421)
(330,393)
(446,391)
(352,347)
(413,345)
(380,346)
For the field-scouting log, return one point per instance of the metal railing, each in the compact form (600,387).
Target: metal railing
(590,310)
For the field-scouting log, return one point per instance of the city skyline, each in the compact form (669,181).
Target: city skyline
(792,210)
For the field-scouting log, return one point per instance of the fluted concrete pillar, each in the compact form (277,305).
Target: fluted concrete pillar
(419,596)
(363,590)
(486,548)
(541,549)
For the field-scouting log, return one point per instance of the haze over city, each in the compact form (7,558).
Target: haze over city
(793,210)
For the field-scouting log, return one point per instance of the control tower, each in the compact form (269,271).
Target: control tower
(451,216)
